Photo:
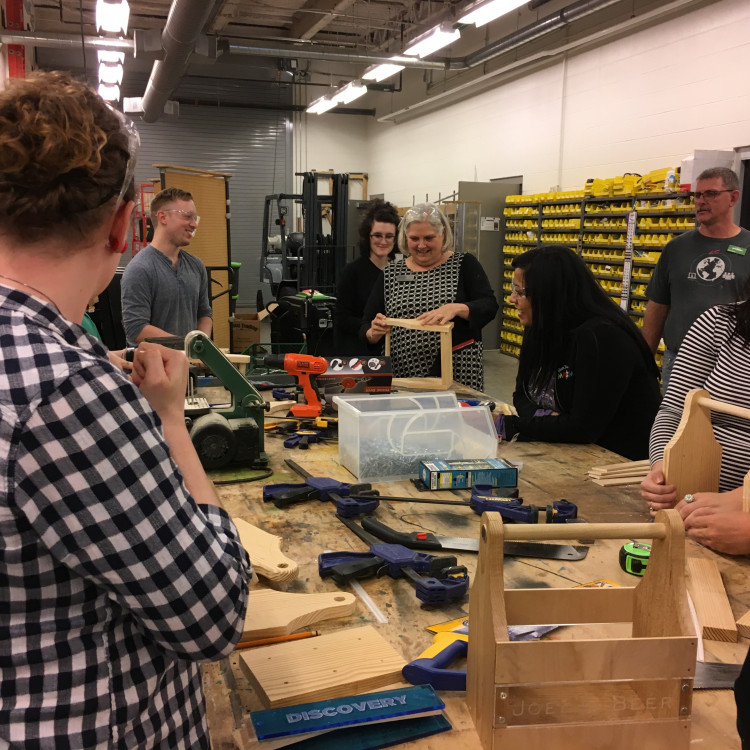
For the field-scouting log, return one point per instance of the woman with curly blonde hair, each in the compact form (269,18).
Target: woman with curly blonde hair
(119,571)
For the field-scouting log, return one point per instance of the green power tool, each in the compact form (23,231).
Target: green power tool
(634,557)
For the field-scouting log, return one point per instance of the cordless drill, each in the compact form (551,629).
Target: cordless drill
(304,367)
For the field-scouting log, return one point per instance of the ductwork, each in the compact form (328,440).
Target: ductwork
(307,53)
(65,41)
(184,24)
(543,26)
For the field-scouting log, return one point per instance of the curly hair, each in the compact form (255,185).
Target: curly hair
(377,210)
(63,158)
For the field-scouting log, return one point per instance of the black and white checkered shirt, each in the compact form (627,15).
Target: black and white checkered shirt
(114,584)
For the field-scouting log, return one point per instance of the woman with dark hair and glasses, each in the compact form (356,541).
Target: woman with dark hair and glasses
(120,572)
(585,374)
(377,246)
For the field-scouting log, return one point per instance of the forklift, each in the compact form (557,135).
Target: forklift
(303,268)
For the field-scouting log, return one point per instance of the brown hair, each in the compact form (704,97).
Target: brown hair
(168,195)
(726,175)
(63,158)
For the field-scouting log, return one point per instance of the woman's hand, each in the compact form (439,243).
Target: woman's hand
(657,494)
(378,328)
(444,314)
(161,374)
(117,358)
(716,520)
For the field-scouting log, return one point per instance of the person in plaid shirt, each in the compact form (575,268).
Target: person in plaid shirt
(119,571)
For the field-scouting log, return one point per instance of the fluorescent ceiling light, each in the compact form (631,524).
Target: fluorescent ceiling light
(488,10)
(323,104)
(350,92)
(110,73)
(112,16)
(381,72)
(110,56)
(110,92)
(433,40)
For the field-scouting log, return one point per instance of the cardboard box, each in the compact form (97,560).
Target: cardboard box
(246,330)
(442,475)
(702,159)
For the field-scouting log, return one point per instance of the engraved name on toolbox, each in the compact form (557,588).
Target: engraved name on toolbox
(649,699)
(346,708)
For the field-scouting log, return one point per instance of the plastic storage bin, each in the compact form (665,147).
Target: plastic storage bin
(384,437)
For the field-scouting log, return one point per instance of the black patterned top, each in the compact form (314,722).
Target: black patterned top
(404,293)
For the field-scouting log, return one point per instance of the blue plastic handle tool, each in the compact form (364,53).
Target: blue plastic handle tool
(441,590)
(431,667)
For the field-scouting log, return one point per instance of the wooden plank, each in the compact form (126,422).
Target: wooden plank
(568,606)
(673,734)
(618,482)
(646,463)
(272,612)
(330,666)
(265,553)
(521,662)
(743,625)
(710,600)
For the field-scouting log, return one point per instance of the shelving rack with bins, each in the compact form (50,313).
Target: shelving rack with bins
(596,228)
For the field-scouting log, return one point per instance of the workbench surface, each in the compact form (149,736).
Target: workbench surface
(550,472)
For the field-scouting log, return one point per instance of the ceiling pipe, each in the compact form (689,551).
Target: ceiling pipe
(536,30)
(302,53)
(185,22)
(65,41)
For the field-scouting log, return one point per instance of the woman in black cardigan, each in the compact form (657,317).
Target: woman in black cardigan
(585,374)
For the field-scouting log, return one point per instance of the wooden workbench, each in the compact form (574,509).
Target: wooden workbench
(550,472)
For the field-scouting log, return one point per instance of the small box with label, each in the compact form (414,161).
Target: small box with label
(438,474)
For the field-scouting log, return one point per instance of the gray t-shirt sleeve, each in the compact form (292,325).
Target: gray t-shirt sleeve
(204,299)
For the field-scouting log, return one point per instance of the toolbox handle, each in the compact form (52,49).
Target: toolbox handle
(548,531)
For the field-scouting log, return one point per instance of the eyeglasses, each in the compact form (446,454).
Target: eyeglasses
(380,237)
(189,215)
(709,194)
(517,290)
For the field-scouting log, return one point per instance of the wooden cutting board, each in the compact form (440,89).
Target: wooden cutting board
(272,613)
(265,553)
(347,662)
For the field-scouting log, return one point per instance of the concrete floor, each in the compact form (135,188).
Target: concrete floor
(500,375)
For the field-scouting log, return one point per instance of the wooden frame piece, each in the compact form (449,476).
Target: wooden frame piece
(692,458)
(711,602)
(446,355)
(572,694)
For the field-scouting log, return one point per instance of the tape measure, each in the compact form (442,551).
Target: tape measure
(634,557)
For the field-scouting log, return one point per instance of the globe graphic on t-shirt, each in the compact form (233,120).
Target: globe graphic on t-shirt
(711,269)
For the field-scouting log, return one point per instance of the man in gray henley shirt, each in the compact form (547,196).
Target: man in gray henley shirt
(164,288)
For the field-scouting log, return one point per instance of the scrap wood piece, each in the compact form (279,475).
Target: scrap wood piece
(743,625)
(710,599)
(265,553)
(614,467)
(271,613)
(618,481)
(349,661)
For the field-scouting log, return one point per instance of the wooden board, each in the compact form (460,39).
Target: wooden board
(743,625)
(710,600)
(329,666)
(265,553)
(446,352)
(272,612)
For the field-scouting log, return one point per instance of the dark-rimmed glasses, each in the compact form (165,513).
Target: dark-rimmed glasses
(710,194)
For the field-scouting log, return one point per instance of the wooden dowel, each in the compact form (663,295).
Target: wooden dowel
(584,531)
(720,406)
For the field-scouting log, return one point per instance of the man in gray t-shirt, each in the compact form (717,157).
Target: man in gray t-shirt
(704,267)
(165,289)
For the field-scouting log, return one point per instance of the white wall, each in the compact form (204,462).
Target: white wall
(640,103)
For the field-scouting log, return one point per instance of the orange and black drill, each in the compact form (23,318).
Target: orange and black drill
(304,367)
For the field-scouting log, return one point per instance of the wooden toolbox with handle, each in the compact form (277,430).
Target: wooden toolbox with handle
(614,692)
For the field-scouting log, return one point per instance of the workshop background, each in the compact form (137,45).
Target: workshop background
(551,94)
